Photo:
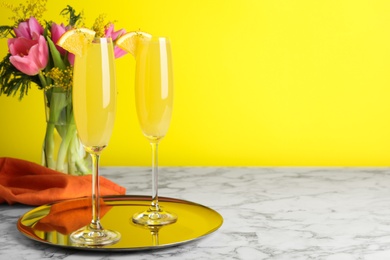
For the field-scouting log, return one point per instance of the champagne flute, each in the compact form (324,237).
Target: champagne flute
(154,98)
(94,103)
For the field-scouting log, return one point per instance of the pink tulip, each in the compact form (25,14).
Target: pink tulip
(71,58)
(29,56)
(109,32)
(57,30)
(30,29)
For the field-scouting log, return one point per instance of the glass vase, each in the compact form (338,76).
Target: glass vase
(62,149)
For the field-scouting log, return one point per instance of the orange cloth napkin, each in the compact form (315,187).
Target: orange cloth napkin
(32,184)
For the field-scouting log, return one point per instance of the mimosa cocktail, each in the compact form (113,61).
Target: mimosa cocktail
(94,103)
(154,100)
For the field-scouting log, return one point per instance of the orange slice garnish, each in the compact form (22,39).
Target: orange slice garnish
(76,41)
(129,41)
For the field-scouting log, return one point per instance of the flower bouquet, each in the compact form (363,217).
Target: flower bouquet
(34,59)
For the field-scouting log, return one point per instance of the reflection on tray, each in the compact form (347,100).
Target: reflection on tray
(68,216)
(154,232)
(52,224)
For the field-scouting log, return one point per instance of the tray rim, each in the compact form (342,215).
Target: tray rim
(122,249)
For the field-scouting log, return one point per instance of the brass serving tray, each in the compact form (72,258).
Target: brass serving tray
(52,224)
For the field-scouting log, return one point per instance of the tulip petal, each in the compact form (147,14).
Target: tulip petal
(22,30)
(24,65)
(118,33)
(35,28)
(56,32)
(118,52)
(71,58)
(20,46)
(43,52)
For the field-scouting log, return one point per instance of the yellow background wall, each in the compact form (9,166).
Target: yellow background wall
(257,82)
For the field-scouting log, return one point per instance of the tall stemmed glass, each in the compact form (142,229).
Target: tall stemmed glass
(94,103)
(154,98)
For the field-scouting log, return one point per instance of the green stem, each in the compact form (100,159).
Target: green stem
(82,167)
(57,103)
(72,156)
(42,79)
(70,151)
(49,146)
(71,147)
(64,146)
(79,157)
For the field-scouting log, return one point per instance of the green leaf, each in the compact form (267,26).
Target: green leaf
(5,31)
(73,17)
(58,62)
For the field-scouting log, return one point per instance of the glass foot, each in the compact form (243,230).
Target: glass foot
(154,218)
(88,236)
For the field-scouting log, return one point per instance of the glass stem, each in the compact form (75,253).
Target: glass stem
(154,206)
(95,223)
(155,241)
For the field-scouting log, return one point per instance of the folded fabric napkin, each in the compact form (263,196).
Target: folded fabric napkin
(32,184)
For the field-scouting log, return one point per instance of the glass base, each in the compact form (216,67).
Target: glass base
(154,218)
(88,236)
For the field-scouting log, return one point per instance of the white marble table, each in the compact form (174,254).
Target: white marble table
(269,213)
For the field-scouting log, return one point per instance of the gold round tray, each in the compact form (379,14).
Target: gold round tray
(52,224)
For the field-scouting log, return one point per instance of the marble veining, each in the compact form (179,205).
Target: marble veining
(269,213)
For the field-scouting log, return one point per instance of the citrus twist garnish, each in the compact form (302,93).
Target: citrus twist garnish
(76,41)
(129,41)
